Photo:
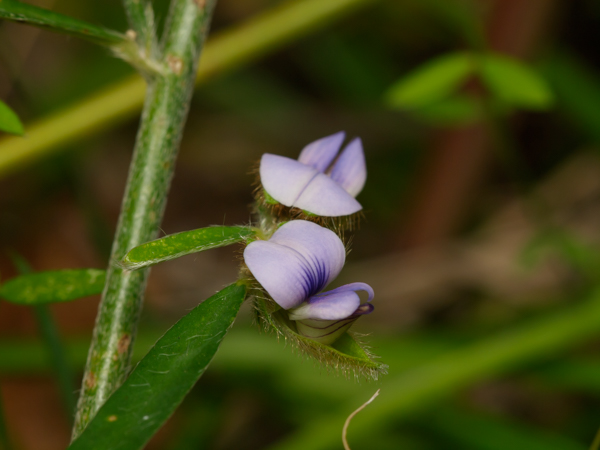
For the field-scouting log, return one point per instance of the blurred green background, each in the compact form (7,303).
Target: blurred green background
(481,127)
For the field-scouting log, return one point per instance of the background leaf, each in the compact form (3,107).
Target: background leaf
(53,286)
(180,244)
(33,15)
(456,109)
(515,83)
(163,377)
(9,121)
(431,82)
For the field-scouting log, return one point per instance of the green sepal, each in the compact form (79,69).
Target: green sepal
(161,380)
(180,244)
(346,355)
(268,199)
(53,286)
(9,121)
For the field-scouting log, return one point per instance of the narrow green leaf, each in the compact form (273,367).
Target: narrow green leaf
(180,244)
(9,121)
(515,83)
(163,377)
(32,15)
(54,286)
(432,82)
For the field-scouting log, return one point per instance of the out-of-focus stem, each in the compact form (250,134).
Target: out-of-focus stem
(164,114)
(5,443)
(62,369)
(54,346)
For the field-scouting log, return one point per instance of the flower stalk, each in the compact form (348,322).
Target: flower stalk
(165,110)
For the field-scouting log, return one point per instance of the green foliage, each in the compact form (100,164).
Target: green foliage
(413,390)
(577,89)
(432,82)
(9,121)
(433,91)
(33,15)
(456,109)
(163,377)
(180,244)
(514,83)
(469,430)
(53,286)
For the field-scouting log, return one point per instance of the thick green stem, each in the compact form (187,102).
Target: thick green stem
(163,117)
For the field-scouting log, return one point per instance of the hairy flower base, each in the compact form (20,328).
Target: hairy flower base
(285,213)
(346,355)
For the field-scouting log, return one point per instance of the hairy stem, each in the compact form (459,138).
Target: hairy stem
(165,110)
(141,21)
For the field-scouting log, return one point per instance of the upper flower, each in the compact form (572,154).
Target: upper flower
(299,260)
(319,182)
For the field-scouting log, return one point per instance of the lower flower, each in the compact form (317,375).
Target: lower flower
(292,268)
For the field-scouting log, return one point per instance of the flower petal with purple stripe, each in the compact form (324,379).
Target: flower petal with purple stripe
(299,260)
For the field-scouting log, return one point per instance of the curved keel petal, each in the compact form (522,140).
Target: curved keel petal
(324,331)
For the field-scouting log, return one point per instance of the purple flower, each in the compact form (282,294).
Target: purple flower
(320,182)
(297,263)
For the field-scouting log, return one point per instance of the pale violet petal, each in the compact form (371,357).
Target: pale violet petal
(321,153)
(283,178)
(280,270)
(352,287)
(299,260)
(328,307)
(324,331)
(324,197)
(320,247)
(350,169)
(337,304)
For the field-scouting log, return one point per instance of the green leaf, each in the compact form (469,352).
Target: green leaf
(53,286)
(515,83)
(9,121)
(23,12)
(180,244)
(465,429)
(457,109)
(432,82)
(163,377)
